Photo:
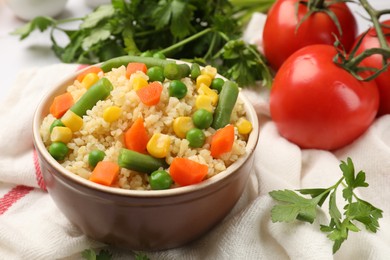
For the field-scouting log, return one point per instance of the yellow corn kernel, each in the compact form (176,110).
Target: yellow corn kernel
(244,126)
(181,125)
(205,90)
(205,79)
(89,80)
(210,71)
(111,114)
(71,120)
(158,145)
(139,82)
(61,134)
(203,101)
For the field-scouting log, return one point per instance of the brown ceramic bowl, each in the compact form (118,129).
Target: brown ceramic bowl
(142,220)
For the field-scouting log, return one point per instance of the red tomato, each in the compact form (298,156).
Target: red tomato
(317,104)
(280,38)
(375,61)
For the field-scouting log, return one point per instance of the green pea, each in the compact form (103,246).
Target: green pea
(95,156)
(195,71)
(55,123)
(156,73)
(159,55)
(177,89)
(217,84)
(146,54)
(160,180)
(195,137)
(202,118)
(58,150)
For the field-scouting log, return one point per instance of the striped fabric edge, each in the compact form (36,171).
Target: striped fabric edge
(13,196)
(38,172)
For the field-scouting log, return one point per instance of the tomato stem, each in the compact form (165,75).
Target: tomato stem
(319,4)
(351,63)
(315,6)
(382,12)
(374,14)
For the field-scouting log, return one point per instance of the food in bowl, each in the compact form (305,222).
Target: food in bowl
(147,125)
(131,218)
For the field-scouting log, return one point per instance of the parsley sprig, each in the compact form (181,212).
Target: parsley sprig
(294,206)
(193,30)
(90,254)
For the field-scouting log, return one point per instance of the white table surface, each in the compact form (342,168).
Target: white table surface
(35,51)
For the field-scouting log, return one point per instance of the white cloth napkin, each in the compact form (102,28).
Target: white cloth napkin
(32,227)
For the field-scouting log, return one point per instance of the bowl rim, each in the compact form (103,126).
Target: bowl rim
(39,115)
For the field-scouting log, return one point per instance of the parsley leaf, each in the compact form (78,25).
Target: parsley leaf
(96,35)
(243,63)
(177,15)
(302,208)
(181,29)
(40,22)
(90,254)
(294,206)
(365,213)
(101,13)
(141,256)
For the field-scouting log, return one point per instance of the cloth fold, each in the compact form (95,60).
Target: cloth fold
(32,227)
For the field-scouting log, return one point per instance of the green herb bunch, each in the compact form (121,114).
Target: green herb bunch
(203,31)
(90,254)
(294,206)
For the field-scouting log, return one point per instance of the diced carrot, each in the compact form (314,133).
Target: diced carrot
(61,104)
(105,173)
(133,67)
(136,137)
(150,95)
(186,172)
(222,141)
(92,69)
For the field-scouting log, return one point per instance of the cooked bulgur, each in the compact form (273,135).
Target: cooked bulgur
(96,133)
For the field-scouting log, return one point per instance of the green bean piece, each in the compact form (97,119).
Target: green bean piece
(185,70)
(176,71)
(124,60)
(226,102)
(195,71)
(139,162)
(99,91)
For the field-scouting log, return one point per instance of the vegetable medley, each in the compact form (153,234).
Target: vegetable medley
(152,120)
